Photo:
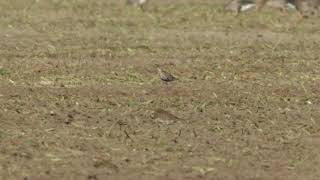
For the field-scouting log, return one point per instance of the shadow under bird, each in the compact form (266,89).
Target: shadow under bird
(164,116)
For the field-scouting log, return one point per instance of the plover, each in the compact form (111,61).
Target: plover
(307,7)
(139,3)
(165,76)
(234,6)
(243,5)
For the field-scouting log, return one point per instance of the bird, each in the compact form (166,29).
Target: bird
(242,5)
(165,76)
(234,6)
(139,3)
(283,5)
(260,4)
(280,4)
(307,7)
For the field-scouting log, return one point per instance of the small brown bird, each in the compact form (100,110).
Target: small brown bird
(283,5)
(237,6)
(139,3)
(234,6)
(260,4)
(165,76)
(307,8)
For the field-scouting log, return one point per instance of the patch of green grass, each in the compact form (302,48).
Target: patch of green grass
(2,134)
(3,72)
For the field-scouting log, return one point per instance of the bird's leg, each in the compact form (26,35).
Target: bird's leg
(142,7)
(260,4)
(167,86)
(283,11)
(301,16)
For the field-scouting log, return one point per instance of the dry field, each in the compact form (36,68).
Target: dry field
(80,97)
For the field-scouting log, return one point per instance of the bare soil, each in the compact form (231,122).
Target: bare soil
(80,97)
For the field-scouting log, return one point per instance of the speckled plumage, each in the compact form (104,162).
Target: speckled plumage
(307,7)
(165,76)
(304,7)
(136,2)
(234,6)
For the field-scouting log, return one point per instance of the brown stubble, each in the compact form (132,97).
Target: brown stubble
(80,97)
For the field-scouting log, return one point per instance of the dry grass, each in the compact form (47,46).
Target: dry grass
(80,96)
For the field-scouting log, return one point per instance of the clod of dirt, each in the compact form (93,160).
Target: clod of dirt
(52,50)
(46,83)
(92,177)
(52,113)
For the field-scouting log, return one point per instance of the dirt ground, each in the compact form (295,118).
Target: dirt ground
(80,97)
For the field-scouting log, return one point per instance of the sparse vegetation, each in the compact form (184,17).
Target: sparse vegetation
(3,71)
(83,99)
